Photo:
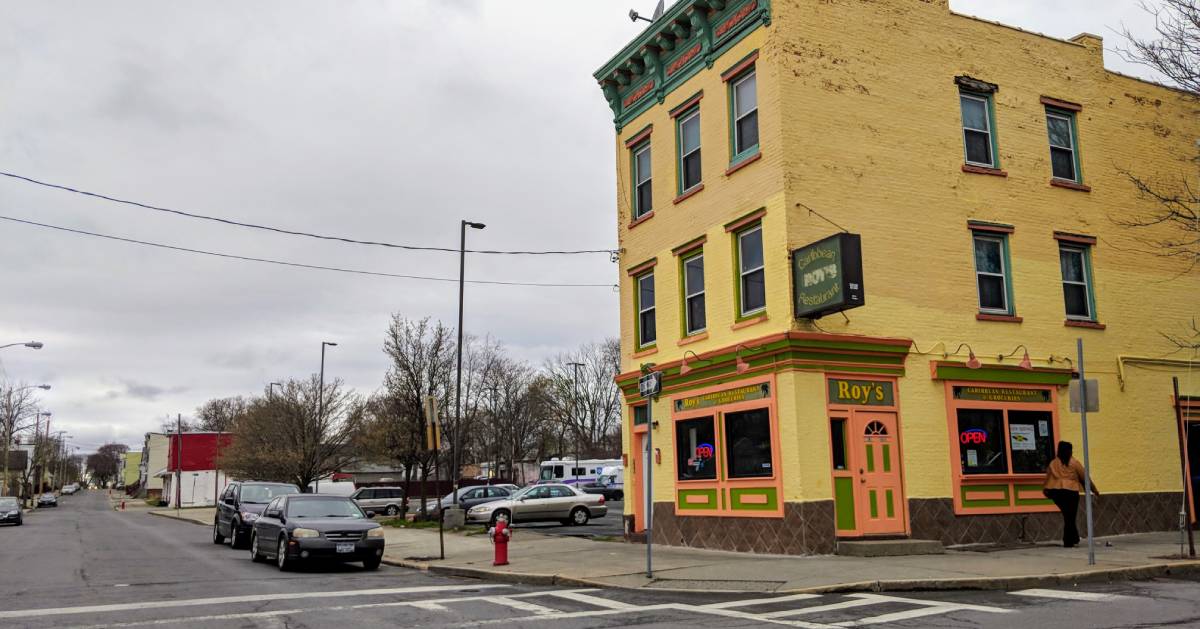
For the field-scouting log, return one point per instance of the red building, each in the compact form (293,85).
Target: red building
(192,458)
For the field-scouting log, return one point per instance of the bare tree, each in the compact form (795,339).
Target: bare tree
(1170,226)
(218,414)
(17,407)
(285,437)
(105,464)
(517,415)
(586,398)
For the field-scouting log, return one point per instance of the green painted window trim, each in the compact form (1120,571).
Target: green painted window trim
(734,157)
(981,504)
(684,115)
(683,505)
(843,503)
(993,131)
(738,316)
(1009,295)
(960,371)
(683,305)
(637,313)
(633,180)
(1077,156)
(1087,273)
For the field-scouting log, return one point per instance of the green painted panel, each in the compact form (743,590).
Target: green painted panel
(985,374)
(681,499)
(843,503)
(870,458)
(1035,502)
(969,504)
(890,502)
(874,504)
(736,495)
(887,457)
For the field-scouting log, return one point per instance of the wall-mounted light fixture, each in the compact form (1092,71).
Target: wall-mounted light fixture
(1025,363)
(972,361)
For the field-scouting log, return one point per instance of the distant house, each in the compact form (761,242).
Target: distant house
(130,473)
(192,462)
(154,460)
(18,465)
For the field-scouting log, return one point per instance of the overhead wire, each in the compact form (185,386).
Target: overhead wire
(294,264)
(291,232)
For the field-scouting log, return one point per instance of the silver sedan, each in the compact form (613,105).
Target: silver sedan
(543,503)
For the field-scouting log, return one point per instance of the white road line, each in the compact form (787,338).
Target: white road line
(1069,595)
(524,606)
(592,600)
(432,606)
(821,608)
(225,600)
(692,609)
(762,601)
(898,616)
(926,603)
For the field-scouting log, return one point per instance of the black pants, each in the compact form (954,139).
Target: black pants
(1067,501)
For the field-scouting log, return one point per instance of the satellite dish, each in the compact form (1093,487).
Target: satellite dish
(658,10)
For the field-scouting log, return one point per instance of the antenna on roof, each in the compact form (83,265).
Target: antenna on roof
(658,12)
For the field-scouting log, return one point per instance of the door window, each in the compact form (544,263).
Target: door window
(560,492)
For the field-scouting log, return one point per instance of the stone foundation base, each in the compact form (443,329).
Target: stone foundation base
(1114,514)
(805,529)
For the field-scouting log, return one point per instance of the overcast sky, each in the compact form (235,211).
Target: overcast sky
(378,120)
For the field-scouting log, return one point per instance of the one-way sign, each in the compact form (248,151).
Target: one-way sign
(650,384)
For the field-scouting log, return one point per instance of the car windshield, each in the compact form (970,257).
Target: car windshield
(606,479)
(341,508)
(8,503)
(262,494)
(547,473)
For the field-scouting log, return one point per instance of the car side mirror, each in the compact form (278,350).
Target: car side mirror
(371,515)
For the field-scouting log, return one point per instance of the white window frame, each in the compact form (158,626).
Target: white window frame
(742,272)
(752,74)
(688,295)
(641,330)
(638,180)
(987,118)
(1003,274)
(1070,120)
(1082,252)
(683,120)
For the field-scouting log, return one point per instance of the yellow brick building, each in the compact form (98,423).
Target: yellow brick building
(981,167)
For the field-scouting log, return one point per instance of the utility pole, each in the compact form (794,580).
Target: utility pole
(462,275)
(575,415)
(178,462)
(321,403)
(1181,426)
(1087,465)
(42,469)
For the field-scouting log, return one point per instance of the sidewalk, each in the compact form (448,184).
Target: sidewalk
(544,559)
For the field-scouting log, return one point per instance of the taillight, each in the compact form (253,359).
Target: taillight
(602,499)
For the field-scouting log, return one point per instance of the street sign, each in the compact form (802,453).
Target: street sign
(650,384)
(1093,395)
(433,430)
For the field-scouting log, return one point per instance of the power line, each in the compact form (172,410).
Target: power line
(295,264)
(280,230)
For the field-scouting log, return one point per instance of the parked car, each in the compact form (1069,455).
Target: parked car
(389,500)
(608,485)
(306,526)
(472,496)
(543,503)
(332,487)
(241,505)
(70,489)
(47,499)
(10,511)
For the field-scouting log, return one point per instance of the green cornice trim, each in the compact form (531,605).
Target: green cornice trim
(665,55)
(1000,373)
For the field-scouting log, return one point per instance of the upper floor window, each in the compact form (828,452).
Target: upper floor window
(694,319)
(992,274)
(1077,281)
(744,91)
(643,200)
(647,333)
(1060,126)
(689,150)
(752,288)
(978,124)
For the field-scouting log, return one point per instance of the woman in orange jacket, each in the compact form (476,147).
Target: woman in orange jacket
(1065,478)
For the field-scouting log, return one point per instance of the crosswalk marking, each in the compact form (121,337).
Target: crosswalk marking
(898,616)
(821,608)
(521,605)
(762,601)
(1070,595)
(580,597)
(432,606)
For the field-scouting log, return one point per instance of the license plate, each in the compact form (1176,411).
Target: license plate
(345,548)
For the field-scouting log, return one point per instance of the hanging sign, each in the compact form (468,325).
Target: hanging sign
(861,392)
(827,276)
(1002,394)
(728,396)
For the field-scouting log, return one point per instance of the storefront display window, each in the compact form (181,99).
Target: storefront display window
(1031,439)
(695,453)
(748,443)
(981,441)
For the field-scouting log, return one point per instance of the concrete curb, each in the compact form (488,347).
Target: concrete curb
(1127,573)
(171,516)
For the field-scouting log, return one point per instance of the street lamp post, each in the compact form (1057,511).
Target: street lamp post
(29,344)
(462,274)
(575,411)
(321,399)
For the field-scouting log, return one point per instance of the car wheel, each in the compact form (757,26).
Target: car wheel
(255,555)
(579,516)
(371,564)
(217,537)
(281,559)
(620,496)
(235,539)
(392,510)
(496,516)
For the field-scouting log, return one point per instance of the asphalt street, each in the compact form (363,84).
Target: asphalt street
(83,565)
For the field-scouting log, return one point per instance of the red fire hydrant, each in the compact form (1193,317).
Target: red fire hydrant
(500,534)
(122,505)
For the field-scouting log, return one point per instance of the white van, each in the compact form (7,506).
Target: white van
(331,487)
(570,471)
